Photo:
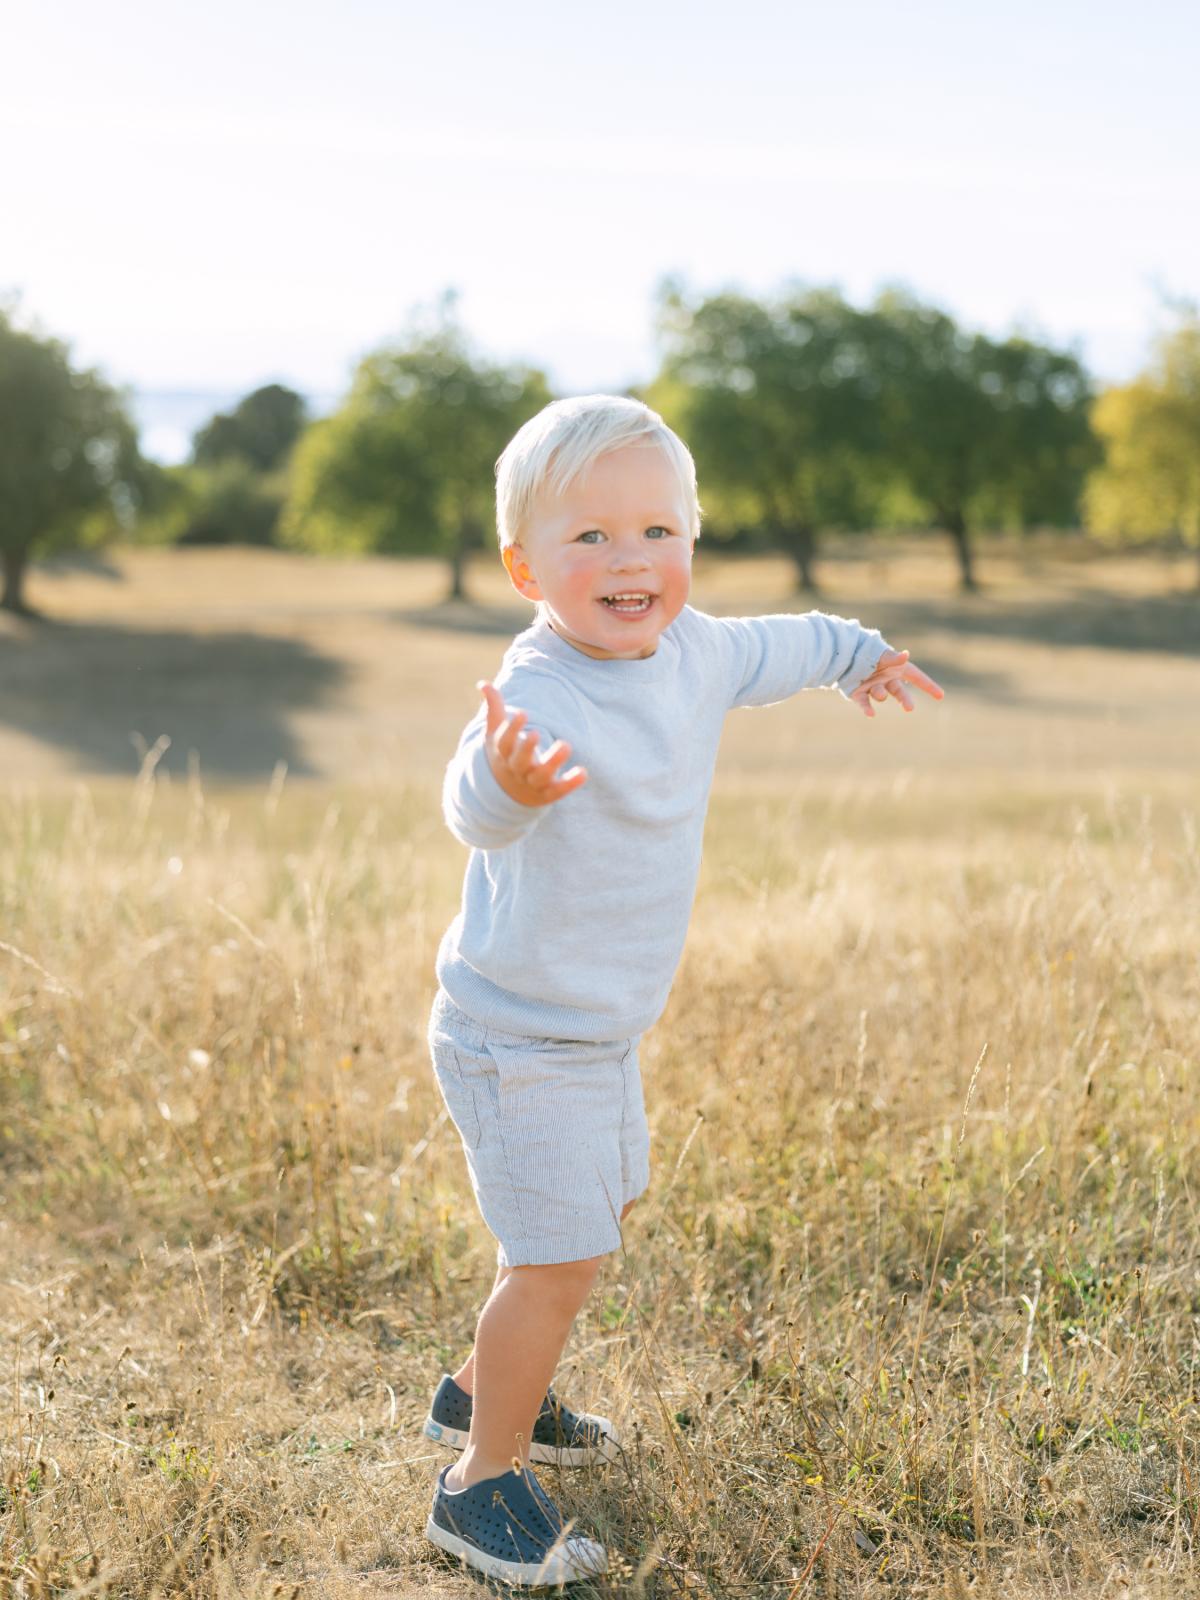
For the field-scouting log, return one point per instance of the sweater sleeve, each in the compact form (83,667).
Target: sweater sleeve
(477,810)
(773,657)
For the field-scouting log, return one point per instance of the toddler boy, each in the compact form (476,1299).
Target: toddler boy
(575,907)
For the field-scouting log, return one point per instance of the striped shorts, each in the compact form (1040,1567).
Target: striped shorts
(554,1132)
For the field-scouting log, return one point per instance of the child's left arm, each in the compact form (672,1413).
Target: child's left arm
(770,658)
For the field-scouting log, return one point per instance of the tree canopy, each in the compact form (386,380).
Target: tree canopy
(777,400)
(978,428)
(260,430)
(808,414)
(1149,483)
(233,489)
(407,463)
(68,450)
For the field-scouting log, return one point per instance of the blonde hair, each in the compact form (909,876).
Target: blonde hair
(562,441)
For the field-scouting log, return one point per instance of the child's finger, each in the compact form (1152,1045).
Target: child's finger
(506,738)
(525,753)
(922,680)
(569,781)
(494,701)
(542,773)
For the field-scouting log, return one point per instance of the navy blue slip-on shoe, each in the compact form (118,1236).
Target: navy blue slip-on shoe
(562,1437)
(509,1528)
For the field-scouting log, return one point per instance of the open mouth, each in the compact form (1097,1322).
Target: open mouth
(633,604)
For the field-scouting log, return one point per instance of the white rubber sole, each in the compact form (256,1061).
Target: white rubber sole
(568,1456)
(568,1562)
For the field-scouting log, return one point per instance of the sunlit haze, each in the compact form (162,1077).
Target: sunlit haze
(203,199)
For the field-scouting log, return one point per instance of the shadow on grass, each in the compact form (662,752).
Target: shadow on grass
(1089,618)
(107,693)
(69,563)
(466,616)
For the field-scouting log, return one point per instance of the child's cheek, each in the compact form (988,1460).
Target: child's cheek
(679,576)
(580,579)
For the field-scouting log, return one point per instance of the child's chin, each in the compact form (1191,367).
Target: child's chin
(622,640)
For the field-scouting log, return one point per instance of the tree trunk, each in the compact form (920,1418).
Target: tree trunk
(800,542)
(458,566)
(14,578)
(468,537)
(957,525)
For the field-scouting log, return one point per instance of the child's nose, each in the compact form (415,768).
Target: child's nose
(629,558)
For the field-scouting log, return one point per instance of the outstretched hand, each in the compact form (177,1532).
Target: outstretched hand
(512,756)
(892,671)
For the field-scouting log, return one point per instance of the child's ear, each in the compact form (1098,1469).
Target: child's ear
(519,572)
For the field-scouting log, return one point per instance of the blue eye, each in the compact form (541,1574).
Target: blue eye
(665,532)
(590,536)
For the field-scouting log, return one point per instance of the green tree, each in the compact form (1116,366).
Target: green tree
(407,464)
(69,461)
(260,430)
(233,489)
(778,399)
(226,503)
(979,429)
(1149,482)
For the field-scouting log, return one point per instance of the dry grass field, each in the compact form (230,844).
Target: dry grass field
(911,1306)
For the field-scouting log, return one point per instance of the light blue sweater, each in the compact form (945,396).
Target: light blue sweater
(574,914)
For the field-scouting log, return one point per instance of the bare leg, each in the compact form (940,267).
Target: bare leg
(519,1341)
(465,1376)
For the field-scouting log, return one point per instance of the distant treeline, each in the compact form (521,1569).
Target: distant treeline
(806,415)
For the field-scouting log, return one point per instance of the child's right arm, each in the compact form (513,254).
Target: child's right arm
(496,782)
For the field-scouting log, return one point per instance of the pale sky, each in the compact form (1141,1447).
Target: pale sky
(216,197)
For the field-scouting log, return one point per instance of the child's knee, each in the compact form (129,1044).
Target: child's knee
(566,1281)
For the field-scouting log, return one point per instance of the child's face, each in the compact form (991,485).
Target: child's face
(621,529)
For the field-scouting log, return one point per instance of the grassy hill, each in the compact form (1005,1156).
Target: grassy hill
(909,1307)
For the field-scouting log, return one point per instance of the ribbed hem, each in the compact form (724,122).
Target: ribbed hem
(851,678)
(492,1007)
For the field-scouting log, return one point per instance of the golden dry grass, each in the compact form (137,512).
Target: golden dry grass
(910,1306)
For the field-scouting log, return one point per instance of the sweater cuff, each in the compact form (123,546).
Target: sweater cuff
(854,676)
